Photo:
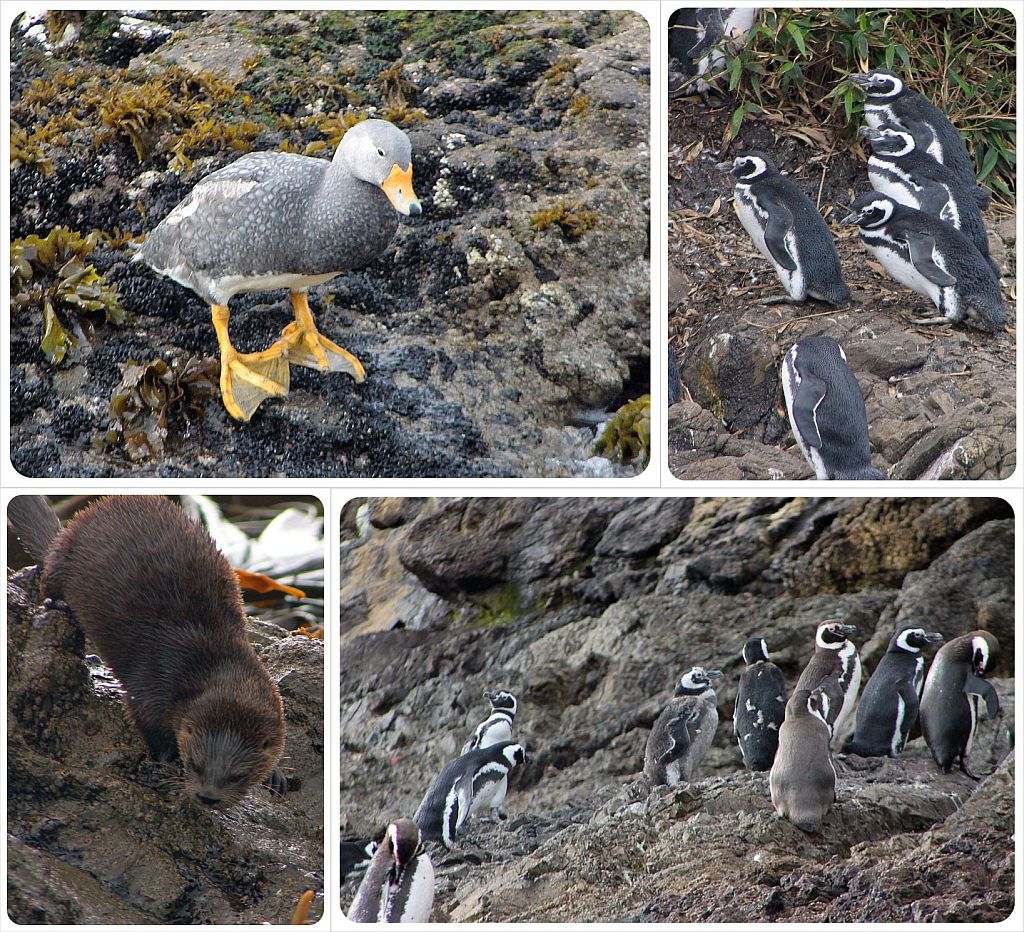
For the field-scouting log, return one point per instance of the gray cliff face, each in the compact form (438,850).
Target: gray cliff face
(589,610)
(97,832)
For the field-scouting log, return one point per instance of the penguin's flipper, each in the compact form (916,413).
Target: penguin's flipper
(982,197)
(976,686)
(679,733)
(935,201)
(714,29)
(780,224)
(921,246)
(908,693)
(458,803)
(809,394)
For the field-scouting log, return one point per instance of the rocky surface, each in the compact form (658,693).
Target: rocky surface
(97,832)
(941,400)
(589,610)
(519,299)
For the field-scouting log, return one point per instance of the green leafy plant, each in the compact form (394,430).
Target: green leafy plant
(627,434)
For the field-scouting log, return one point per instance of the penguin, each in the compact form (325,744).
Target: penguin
(399,883)
(787,230)
(902,171)
(683,733)
(760,707)
(696,44)
(475,780)
(826,410)
(497,726)
(889,703)
(889,101)
(803,777)
(951,696)
(834,669)
(932,258)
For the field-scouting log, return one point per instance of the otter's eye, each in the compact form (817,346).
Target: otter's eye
(380,152)
(236,777)
(266,744)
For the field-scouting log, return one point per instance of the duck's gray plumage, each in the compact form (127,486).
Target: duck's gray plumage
(277,220)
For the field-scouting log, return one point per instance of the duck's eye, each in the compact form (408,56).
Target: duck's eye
(380,152)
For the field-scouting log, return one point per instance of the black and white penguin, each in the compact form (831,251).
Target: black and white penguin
(902,171)
(760,707)
(803,777)
(889,703)
(787,230)
(889,101)
(826,410)
(399,883)
(697,40)
(476,780)
(834,668)
(497,726)
(932,258)
(952,693)
(683,733)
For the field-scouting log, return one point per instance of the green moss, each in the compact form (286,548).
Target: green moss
(500,606)
(627,435)
(49,278)
(579,106)
(572,219)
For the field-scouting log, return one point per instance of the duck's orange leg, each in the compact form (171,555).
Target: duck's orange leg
(306,346)
(247,378)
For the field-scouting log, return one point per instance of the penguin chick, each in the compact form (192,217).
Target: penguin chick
(497,726)
(908,174)
(399,883)
(889,101)
(826,410)
(760,707)
(889,704)
(476,780)
(803,778)
(834,668)
(951,697)
(787,230)
(932,258)
(683,733)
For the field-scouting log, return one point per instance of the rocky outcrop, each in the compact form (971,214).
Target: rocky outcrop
(589,610)
(97,832)
(519,299)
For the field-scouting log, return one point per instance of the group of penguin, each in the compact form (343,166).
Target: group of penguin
(399,882)
(922,221)
(792,739)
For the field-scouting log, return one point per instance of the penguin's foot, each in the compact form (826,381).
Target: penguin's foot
(780,299)
(277,782)
(304,345)
(246,379)
(929,321)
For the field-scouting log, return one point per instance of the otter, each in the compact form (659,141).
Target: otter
(151,590)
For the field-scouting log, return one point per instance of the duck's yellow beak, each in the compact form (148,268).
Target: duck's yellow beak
(398,187)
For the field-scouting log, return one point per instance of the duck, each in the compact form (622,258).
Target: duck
(274,220)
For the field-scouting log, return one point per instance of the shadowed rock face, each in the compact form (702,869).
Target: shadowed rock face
(519,298)
(589,609)
(99,833)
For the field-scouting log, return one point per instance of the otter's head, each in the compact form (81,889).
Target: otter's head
(227,746)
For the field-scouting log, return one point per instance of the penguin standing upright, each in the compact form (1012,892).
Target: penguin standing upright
(399,884)
(475,780)
(787,230)
(497,726)
(889,703)
(696,44)
(889,101)
(932,258)
(760,707)
(834,668)
(683,733)
(803,778)
(952,692)
(902,171)
(826,410)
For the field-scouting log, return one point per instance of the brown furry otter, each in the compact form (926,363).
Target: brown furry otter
(154,594)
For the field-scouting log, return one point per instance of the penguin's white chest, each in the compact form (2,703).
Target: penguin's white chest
(895,258)
(754,220)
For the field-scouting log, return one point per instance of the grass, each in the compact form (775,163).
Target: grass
(795,63)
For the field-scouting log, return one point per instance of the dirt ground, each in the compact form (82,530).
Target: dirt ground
(940,399)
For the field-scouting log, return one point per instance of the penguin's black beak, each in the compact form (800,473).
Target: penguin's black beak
(714,674)
(725,166)
(849,218)
(862,81)
(933,637)
(846,630)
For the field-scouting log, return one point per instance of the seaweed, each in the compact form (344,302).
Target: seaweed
(627,434)
(572,219)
